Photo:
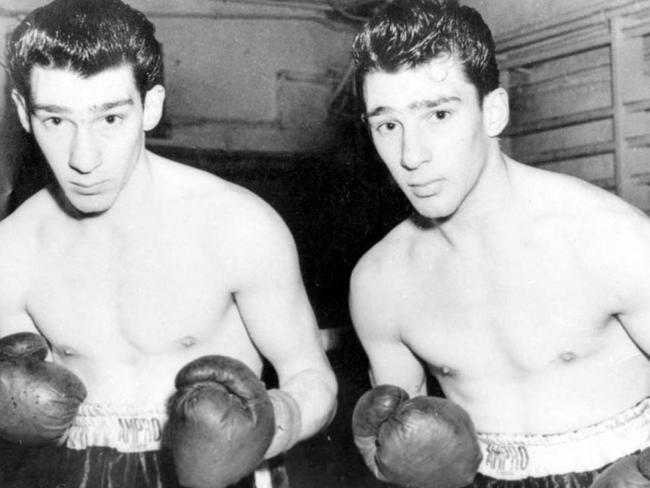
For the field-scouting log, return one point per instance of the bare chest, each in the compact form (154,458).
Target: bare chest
(511,317)
(145,294)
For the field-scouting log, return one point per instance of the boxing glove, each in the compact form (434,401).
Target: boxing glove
(221,422)
(632,471)
(423,442)
(38,399)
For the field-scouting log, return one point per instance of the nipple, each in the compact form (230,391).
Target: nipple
(188,341)
(68,351)
(567,357)
(442,370)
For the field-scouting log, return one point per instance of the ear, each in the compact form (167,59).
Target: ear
(22,109)
(496,112)
(153,107)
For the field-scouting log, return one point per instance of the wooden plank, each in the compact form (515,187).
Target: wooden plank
(574,140)
(554,48)
(583,18)
(554,155)
(599,168)
(528,127)
(586,98)
(639,141)
(549,71)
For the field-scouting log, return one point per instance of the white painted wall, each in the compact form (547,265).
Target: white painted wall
(239,76)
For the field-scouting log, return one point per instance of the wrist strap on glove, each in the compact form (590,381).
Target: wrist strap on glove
(288,422)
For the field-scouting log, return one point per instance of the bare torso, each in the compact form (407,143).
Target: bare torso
(520,327)
(125,305)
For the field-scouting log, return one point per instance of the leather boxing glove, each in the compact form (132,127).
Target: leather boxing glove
(423,442)
(38,399)
(221,422)
(632,471)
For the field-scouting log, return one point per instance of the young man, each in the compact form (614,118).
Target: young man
(525,293)
(131,266)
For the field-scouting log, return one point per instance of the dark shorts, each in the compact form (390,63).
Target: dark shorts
(569,480)
(98,467)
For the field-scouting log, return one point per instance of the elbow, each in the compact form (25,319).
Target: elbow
(325,399)
(331,403)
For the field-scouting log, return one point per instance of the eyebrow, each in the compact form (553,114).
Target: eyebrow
(417,105)
(58,109)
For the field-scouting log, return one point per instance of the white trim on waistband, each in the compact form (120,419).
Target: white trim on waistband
(127,428)
(518,456)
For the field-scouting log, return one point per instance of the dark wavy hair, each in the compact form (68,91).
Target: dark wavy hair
(409,33)
(87,37)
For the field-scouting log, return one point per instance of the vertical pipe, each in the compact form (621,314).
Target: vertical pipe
(618,107)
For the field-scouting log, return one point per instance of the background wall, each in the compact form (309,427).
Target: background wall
(505,16)
(241,76)
(579,84)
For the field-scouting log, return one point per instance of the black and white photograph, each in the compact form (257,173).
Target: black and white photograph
(324,244)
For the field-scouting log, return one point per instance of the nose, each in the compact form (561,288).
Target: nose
(415,149)
(84,156)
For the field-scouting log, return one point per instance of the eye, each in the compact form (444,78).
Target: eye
(112,119)
(53,121)
(441,114)
(386,127)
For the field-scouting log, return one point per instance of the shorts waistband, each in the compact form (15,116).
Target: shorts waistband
(518,456)
(127,428)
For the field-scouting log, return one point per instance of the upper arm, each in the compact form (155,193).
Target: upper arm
(271,297)
(14,280)
(628,274)
(372,305)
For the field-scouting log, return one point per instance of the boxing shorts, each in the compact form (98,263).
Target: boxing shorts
(570,459)
(117,446)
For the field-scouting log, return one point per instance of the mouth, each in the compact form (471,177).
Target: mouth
(88,188)
(425,189)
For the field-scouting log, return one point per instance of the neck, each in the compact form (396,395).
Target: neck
(487,210)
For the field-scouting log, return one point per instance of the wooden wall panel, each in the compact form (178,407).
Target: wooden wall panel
(596,169)
(580,97)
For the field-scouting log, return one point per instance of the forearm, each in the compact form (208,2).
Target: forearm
(304,405)
(415,384)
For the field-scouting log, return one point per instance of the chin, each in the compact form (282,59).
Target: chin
(90,206)
(433,210)
(89,211)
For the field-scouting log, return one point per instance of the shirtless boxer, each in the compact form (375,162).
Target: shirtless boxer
(132,266)
(525,293)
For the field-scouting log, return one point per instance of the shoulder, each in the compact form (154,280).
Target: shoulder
(604,229)
(379,276)
(575,203)
(213,202)
(248,234)
(384,261)
(20,231)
